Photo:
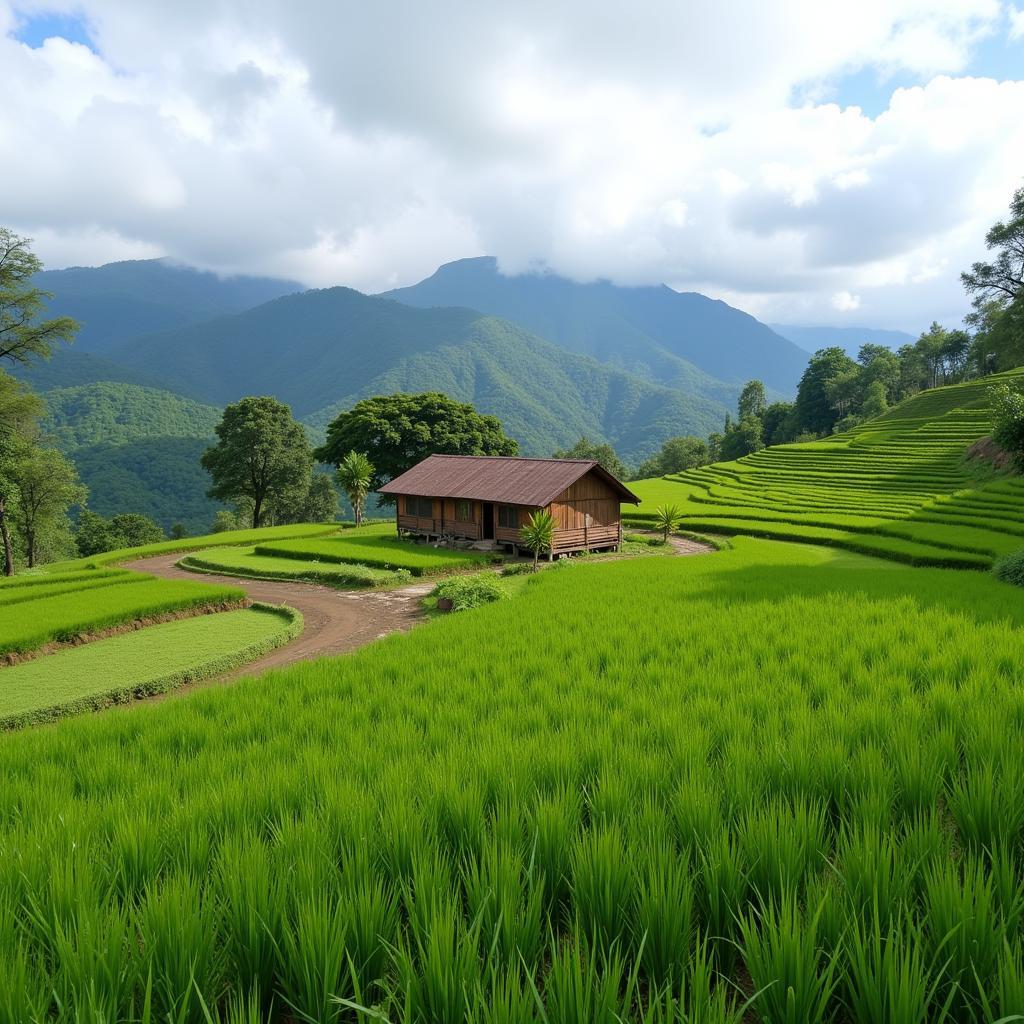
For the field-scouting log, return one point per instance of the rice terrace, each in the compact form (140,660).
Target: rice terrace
(609,630)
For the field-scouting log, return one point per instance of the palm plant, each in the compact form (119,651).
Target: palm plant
(667,518)
(355,477)
(538,534)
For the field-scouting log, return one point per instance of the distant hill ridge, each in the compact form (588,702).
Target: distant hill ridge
(323,350)
(678,339)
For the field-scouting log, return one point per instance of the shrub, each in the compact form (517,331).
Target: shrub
(516,569)
(1010,569)
(470,591)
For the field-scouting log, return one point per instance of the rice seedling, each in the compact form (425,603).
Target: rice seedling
(774,782)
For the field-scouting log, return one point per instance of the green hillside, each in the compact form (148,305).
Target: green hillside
(323,350)
(897,486)
(158,476)
(112,413)
(683,340)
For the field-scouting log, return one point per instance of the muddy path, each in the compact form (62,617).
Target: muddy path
(336,621)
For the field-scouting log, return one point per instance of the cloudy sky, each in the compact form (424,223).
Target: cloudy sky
(807,160)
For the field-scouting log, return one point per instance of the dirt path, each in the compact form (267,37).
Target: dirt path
(336,621)
(680,545)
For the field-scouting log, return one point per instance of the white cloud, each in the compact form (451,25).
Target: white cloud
(363,144)
(1016,22)
(844,302)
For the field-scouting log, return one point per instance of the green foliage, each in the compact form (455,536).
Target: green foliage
(30,624)
(355,476)
(24,336)
(262,456)
(321,502)
(161,477)
(127,530)
(1007,401)
(677,454)
(538,533)
(486,819)
(815,409)
(604,454)
(471,591)
(1010,568)
(394,432)
(150,661)
(111,413)
(752,401)
(667,518)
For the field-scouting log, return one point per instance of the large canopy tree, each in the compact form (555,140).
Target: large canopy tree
(47,484)
(815,409)
(396,431)
(19,415)
(23,335)
(262,456)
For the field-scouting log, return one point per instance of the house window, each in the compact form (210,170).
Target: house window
(419,507)
(464,511)
(508,517)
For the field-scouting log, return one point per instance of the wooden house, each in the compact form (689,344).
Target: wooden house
(489,498)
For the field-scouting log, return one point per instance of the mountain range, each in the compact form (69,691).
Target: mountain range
(850,339)
(164,347)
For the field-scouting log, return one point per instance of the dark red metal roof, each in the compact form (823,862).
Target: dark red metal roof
(498,478)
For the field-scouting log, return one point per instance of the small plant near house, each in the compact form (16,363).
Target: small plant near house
(355,477)
(516,569)
(667,518)
(467,592)
(538,535)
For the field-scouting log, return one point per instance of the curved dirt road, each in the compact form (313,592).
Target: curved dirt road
(336,621)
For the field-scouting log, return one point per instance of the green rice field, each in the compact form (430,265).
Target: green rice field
(377,547)
(245,562)
(772,783)
(105,603)
(897,487)
(147,662)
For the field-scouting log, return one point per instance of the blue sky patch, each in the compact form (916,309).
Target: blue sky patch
(34,30)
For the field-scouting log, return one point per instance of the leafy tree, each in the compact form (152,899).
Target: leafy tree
(875,402)
(677,454)
(604,454)
(1008,419)
(880,364)
(815,409)
(714,447)
(355,477)
(321,504)
(667,518)
(742,438)
(778,424)
(752,401)
(47,485)
(22,334)
(127,530)
(262,455)
(538,534)
(998,342)
(179,531)
(1001,280)
(225,520)
(19,416)
(397,431)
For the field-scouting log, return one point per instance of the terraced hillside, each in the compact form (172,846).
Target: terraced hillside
(898,486)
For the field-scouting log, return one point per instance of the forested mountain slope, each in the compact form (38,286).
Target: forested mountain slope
(899,486)
(323,350)
(683,340)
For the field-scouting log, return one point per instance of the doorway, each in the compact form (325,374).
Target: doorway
(488,531)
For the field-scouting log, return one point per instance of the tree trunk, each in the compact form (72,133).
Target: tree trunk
(30,543)
(357,511)
(257,508)
(6,534)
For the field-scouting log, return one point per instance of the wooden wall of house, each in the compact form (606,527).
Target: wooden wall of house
(590,494)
